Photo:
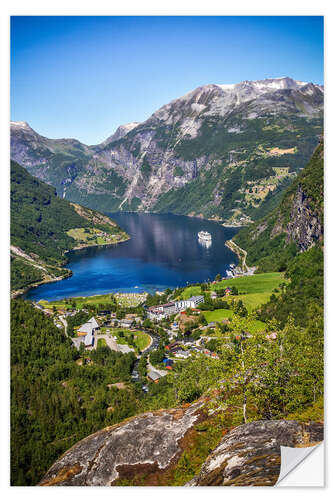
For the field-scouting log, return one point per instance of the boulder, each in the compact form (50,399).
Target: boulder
(249,455)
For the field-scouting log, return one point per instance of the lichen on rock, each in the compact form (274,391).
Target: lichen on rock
(150,440)
(250,455)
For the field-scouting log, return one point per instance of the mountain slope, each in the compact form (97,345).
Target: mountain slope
(290,239)
(294,226)
(221,151)
(42,229)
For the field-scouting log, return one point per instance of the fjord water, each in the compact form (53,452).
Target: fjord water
(164,251)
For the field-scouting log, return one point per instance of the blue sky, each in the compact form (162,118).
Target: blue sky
(83,76)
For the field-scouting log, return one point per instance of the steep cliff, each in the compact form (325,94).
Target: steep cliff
(295,226)
(222,151)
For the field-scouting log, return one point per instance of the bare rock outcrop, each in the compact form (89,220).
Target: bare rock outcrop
(305,227)
(150,445)
(149,442)
(249,455)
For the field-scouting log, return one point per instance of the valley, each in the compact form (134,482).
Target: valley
(149,339)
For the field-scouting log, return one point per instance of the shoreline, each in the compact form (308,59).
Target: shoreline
(235,226)
(241,254)
(218,221)
(22,291)
(18,293)
(83,247)
(69,273)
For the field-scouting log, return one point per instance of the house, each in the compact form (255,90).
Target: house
(88,327)
(227,291)
(89,340)
(153,376)
(182,354)
(94,323)
(126,323)
(85,329)
(86,332)
(165,310)
(213,295)
(195,311)
(130,316)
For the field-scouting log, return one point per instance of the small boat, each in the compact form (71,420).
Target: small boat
(205,236)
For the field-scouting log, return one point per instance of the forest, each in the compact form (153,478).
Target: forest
(39,221)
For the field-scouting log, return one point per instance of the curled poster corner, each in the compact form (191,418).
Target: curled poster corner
(307,474)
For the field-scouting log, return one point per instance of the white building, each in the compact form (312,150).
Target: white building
(165,310)
(162,311)
(192,302)
(182,354)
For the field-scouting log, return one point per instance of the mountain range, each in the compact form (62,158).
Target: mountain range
(226,152)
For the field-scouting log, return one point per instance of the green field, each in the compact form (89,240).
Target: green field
(253,290)
(258,283)
(220,314)
(91,236)
(141,341)
(124,300)
(80,302)
(256,326)
(253,300)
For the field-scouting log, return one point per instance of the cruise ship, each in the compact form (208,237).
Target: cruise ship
(205,236)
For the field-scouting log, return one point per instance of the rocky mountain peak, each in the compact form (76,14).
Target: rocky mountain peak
(121,131)
(20,125)
(217,140)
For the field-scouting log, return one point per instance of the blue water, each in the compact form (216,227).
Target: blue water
(163,251)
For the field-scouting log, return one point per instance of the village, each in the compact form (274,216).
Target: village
(164,329)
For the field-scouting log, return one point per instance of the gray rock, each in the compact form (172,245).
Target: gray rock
(249,455)
(149,441)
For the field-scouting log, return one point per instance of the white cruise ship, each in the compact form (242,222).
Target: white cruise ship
(205,236)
